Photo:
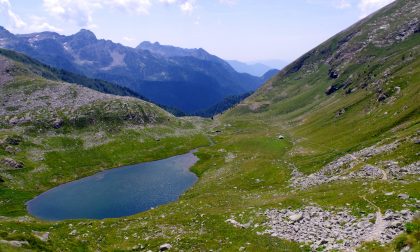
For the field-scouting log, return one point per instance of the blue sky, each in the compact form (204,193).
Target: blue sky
(246,30)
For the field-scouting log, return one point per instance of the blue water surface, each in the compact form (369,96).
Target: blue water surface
(117,192)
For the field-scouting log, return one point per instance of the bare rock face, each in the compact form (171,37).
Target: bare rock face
(4,71)
(11,163)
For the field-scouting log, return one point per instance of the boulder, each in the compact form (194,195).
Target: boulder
(165,247)
(43,236)
(296,217)
(403,196)
(333,74)
(16,244)
(11,150)
(58,123)
(11,163)
(14,140)
(340,112)
(331,89)
(382,97)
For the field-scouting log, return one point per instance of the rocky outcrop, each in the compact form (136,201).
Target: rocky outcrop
(11,163)
(334,230)
(340,169)
(4,71)
(57,104)
(16,244)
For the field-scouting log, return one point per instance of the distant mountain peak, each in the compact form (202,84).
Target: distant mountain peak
(147,43)
(4,32)
(85,34)
(173,51)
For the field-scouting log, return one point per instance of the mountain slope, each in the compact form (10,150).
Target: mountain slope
(167,75)
(256,69)
(52,132)
(55,74)
(28,98)
(304,164)
(349,112)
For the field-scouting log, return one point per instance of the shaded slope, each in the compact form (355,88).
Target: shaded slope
(62,75)
(175,72)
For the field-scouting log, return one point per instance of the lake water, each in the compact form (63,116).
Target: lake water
(117,192)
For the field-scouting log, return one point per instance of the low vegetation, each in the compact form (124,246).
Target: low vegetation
(320,110)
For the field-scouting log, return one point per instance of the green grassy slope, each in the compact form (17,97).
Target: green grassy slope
(94,132)
(247,169)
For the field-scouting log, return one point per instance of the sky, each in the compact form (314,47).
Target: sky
(245,30)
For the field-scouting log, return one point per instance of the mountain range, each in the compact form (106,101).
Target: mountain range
(256,69)
(186,79)
(323,157)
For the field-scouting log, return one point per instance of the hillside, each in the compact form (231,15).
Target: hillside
(323,157)
(61,75)
(52,132)
(348,111)
(167,75)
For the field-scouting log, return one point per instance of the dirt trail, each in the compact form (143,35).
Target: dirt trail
(379,226)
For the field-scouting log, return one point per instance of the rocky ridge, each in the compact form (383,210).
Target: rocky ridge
(341,168)
(37,100)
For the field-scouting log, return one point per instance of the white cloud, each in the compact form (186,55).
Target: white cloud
(81,11)
(168,1)
(77,11)
(228,2)
(187,6)
(4,4)
(342,4)
(39,24)
(136,6)
(368,6)
(16,20)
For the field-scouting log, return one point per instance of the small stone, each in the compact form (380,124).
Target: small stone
(58,123)
(296,217)
(403,196)
(43,236)
(165,247)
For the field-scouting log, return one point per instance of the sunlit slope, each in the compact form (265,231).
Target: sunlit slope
(359,87)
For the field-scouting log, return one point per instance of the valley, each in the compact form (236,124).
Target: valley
(187,80)
(323,157)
